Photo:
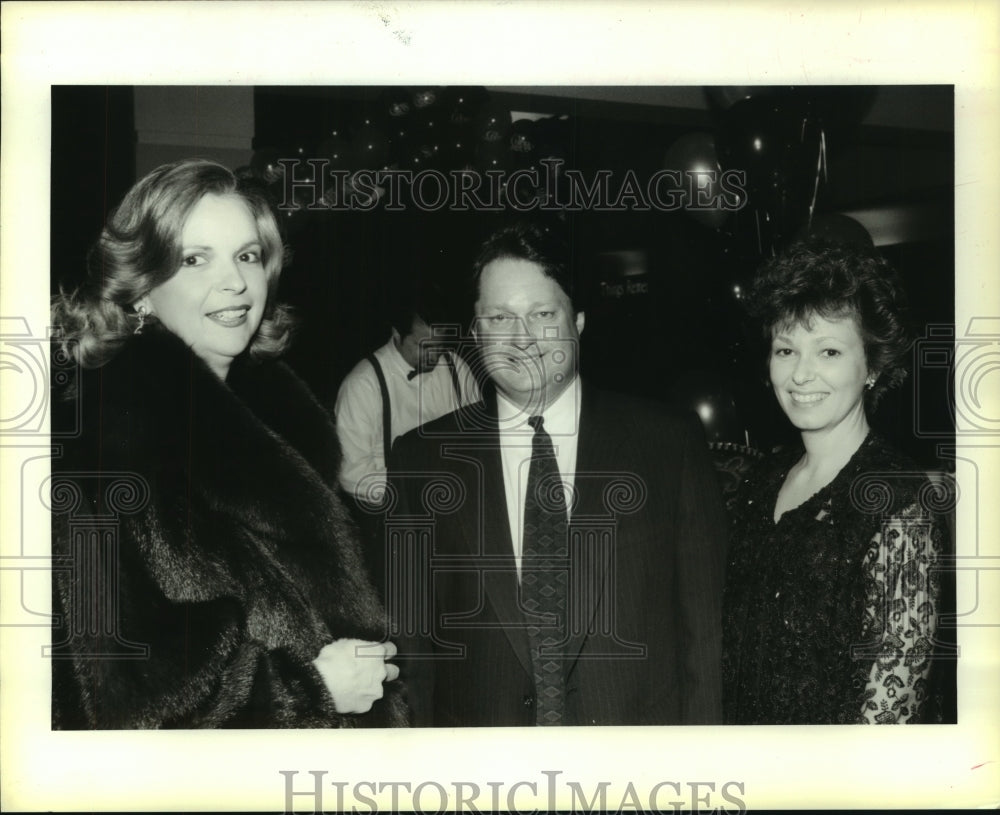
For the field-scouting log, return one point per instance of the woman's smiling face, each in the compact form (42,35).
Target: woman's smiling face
(818,371)
(215,300)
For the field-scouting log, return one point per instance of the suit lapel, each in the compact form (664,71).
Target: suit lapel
(487,532)
(590,564)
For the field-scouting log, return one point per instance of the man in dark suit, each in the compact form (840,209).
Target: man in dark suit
(555,552)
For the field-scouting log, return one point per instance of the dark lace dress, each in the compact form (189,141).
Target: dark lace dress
(830,613)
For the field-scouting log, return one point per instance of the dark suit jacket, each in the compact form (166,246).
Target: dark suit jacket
(646,561)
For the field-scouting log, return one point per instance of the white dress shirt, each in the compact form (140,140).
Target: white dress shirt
(561,420)
(412,402)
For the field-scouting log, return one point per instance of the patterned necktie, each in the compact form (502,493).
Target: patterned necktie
(544,573)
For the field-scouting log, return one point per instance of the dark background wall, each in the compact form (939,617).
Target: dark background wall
(889,164)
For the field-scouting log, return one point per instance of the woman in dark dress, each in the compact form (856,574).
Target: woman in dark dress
(831,597)
(205,572)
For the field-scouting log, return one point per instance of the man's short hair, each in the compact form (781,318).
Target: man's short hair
(541,242)
(406,308)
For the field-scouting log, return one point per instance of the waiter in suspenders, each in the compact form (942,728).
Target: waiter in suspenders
(412,379)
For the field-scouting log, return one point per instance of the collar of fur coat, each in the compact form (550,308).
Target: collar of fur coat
(254,456)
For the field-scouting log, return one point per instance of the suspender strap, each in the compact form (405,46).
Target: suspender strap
(454,380)
(386,409)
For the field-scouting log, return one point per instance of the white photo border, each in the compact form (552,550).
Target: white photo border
(494,43)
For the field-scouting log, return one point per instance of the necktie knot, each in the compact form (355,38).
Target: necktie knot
(537,423)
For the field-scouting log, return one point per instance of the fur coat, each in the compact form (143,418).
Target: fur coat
(201,556)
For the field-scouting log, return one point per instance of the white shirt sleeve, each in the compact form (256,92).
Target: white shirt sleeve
(359,429)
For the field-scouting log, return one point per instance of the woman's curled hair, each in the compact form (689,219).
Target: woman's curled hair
(836,280)
(140,248)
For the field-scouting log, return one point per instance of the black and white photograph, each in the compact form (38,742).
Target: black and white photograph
(442,406)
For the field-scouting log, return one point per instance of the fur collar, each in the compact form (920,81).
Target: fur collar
(241,524)
(257,454)
(157,387)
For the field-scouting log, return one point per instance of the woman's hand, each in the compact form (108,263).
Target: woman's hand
(354,671)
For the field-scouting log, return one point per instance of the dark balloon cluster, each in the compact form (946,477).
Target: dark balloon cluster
(431,128)
(780,138)
(777,138)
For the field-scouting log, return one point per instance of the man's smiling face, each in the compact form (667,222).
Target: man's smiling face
(528,332)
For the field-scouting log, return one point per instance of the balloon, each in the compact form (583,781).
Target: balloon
(760,135)
(397,102)
(399,109)
(264,164)
(425,98)
(840,109)
(723,97)
(710,395)
(838,228)
(694,155)
(779,143)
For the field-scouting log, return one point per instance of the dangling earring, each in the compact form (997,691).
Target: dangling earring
(142,319)
(870,383)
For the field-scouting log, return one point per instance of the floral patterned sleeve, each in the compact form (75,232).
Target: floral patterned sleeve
(902,595)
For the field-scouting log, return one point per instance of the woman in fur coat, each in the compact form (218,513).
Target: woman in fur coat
(205,573)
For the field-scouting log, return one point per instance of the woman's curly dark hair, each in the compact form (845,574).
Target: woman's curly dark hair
(835,280)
